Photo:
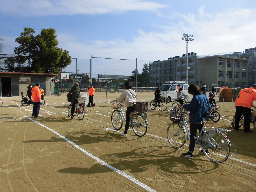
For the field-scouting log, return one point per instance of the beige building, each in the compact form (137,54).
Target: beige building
(222,71)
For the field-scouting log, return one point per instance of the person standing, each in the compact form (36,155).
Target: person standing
(91,95)
(203,89)
(29,92)
(243,103)
(42,95)
(75,92)
(198,108)
(157,96)
(128,96)
(36,96)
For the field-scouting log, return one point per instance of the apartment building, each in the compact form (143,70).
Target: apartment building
(215,71)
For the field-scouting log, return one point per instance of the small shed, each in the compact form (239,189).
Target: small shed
(13,83)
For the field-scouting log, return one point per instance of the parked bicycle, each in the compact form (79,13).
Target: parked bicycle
(138,118)
(213,143)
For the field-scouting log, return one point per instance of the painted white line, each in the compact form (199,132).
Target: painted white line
(97,159)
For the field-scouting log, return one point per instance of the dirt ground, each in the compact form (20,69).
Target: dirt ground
(54,153)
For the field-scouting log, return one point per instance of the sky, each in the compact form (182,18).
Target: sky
(148,30)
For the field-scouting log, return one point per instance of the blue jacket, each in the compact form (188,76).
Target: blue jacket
(198,106)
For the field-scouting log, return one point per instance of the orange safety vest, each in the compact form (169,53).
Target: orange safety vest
(36,94)
(91,91)
(246,97)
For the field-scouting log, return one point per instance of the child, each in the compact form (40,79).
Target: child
(211,99)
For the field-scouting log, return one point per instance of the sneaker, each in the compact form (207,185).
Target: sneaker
(123,134)
(188,155)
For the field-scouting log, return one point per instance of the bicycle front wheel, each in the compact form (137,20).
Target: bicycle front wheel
(80,112)
(217,147)
(216,116)
(139,125)
(117,119)
(176,134)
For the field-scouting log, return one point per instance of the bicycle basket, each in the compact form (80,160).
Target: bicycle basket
(176,115)
(140,107)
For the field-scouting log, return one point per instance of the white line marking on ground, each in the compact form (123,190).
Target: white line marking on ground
(96,158)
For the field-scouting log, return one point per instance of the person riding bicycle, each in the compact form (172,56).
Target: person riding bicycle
(157,96)
(198,107)
(75,92)
(243,103)
(212,100)
(128,96)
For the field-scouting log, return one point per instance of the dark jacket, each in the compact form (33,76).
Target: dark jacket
(198,106)
(75,91)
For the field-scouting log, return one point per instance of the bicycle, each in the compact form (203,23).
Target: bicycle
(216,115)
(214,143)
(138,118)
(79,110)
(161,104)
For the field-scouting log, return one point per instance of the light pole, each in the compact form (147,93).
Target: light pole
(76,68)
(187,38)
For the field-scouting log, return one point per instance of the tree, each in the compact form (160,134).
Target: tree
(143,78)
(40,53)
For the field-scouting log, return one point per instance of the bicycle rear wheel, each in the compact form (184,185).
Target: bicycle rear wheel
(176,134)
(217,147)
(80,111)
(139,125)
(117,119)
(152,104)
(216,116)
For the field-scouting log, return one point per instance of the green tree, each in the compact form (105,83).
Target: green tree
(40,53)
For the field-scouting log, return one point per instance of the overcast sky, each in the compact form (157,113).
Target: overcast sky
(148,30)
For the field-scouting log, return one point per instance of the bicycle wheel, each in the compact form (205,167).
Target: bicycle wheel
(176,134)
(241,121)
(117,119)
(217,146)
(139,125)
(69,110)
(163,106)
(216,116)
(254,122)
(80,112)
(152,104)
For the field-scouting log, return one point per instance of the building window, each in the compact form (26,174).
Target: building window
(221,63)
(229,63)
(229,74)
(237,65)
(221,83)
(244,65)
(221,73)
(244,74)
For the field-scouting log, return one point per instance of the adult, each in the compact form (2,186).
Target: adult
(29,92)
(128,96)
(203,89)
(36,96)
(91,91)
(75,92)
(198,108)
(243,103)
(157,96)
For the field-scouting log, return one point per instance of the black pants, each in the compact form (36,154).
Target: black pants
(36,108)
(90,100)
(128,112)
(247,117)
(193,133)
(73,107)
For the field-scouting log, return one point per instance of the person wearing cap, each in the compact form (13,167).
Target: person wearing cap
(91,91)
(36,96)
(75,92)
(243,103)
(203,89)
